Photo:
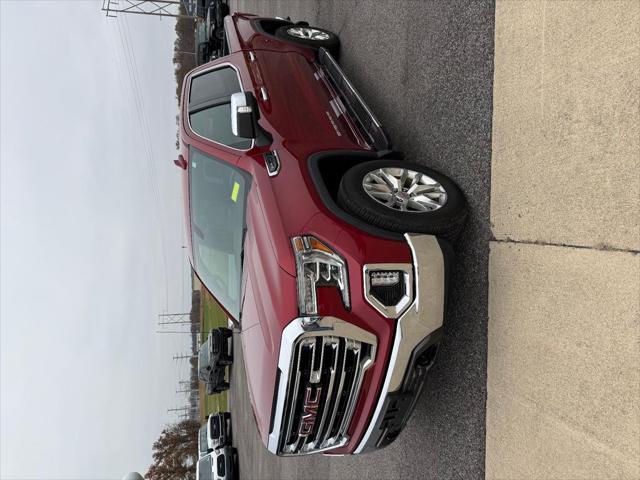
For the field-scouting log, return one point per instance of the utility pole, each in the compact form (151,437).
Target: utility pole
(174,318)
(179,357)
(191,390)
(154,8)
(179,409)
(173,331)
(185,410)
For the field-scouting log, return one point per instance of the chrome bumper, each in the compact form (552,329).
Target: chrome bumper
(417,328)
(418,324)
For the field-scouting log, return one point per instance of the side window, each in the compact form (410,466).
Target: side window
(214,85)
(214,123)
(210,107)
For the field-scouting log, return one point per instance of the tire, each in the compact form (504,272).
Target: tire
(328,40)
(445,220)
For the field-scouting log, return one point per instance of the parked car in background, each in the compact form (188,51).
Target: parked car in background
(217,382)
(330,250)
(209,32)
(221,464)
(219,430)
(202,42)
(214,357)
(203,444)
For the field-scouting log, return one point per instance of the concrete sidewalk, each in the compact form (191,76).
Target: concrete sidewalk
(564,273)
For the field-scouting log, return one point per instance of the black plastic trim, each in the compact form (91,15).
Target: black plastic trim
(275,399)
(256,23)
(399,405)
(356,157)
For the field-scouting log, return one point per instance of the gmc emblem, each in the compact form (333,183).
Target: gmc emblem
(310,412)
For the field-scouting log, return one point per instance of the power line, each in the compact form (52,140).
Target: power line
(155,8)
(128,54)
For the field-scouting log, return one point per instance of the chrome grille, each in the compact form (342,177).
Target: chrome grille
(325,377)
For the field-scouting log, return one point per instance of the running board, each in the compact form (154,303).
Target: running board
(358,109)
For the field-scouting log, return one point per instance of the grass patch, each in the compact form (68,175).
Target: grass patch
(213,316)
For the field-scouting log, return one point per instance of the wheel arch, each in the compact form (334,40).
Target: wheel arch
(326,170)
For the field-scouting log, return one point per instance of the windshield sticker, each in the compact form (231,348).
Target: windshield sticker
(234,192)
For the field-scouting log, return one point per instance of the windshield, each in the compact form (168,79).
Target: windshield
(213,426)
(201,33)
(218,203)
(202,439)
(203,355)
(205,468)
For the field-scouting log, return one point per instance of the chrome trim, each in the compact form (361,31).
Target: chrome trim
(202,72)
(252,57)
(423,317)
(337,106)
(273,173)
(334,345)
(263,94)
(297,331)
(353,89)
(398,309)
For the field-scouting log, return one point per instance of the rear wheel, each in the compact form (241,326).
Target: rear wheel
(313,37)
(403,197)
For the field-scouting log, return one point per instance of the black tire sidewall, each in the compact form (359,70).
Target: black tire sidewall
(353,198)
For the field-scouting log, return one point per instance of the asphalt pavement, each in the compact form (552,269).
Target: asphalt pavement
(426,69)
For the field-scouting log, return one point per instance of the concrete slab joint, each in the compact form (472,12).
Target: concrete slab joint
(563,376)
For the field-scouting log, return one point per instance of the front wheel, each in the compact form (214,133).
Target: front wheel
(403,197)
(308,36)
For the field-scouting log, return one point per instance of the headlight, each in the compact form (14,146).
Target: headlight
(318,266)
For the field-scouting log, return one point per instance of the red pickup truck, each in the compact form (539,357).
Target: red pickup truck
(326,248)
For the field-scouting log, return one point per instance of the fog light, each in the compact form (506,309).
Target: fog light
(384,279)
(388,287)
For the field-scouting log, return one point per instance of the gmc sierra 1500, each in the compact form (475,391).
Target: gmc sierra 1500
(327,249)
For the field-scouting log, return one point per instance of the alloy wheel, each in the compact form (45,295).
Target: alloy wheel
(404,190)
(308,33)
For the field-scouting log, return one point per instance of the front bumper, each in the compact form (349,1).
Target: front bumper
(226,463)
(414,344)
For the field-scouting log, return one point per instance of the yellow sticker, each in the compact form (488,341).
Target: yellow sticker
(234,192)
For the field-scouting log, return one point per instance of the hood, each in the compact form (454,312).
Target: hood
(269,304)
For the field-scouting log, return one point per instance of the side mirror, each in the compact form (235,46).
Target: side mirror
(244,115)
(181,162)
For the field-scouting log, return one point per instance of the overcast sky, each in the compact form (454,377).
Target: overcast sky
(91,236)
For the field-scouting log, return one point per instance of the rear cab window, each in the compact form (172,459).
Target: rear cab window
(210,107)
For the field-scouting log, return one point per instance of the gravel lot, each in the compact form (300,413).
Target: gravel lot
(426,69)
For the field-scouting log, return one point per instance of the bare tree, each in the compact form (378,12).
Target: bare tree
(175,453)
